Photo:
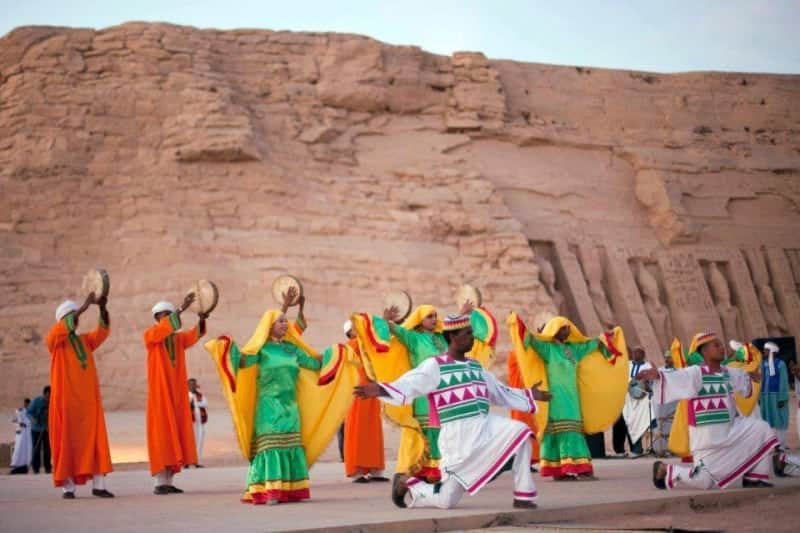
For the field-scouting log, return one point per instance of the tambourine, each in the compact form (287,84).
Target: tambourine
(281,286)
(468,293)
(206,296)
(97,282)
(401,300)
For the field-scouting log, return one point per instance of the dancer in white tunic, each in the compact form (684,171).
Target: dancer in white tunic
(476,446)
(199,406)
(726,448)
(23,443)
(636,416)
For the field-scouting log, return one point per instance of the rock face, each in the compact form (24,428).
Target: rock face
(665,203)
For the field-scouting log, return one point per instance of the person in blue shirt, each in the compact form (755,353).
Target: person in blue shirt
(38,411)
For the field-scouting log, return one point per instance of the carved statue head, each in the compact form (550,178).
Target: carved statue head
(647,284)
(719,285)
(547,274)
(767,296)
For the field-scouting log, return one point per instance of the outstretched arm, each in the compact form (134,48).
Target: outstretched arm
(517,399)
(679,384)
(416,382)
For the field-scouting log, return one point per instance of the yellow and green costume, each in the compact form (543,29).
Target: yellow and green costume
(588,379)
(287,403)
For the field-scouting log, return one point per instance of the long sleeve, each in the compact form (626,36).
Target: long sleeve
(161,330)
(679,384)
(582,349)
(237,356)
(541,347)
(419,381)
(783,386)
(406,336)
(307,361)
(189,338)
(59,332)
(99,335)
(740,382)
(505,396)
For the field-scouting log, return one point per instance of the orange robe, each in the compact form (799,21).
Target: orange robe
(515,380)
(77,424)
(363,432)
(170,434)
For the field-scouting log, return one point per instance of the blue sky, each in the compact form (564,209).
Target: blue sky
(664,36)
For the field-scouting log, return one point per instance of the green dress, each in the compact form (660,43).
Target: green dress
(563,449)
(278,469)
(422,345)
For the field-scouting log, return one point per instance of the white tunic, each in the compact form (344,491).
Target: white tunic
(726,444)
(23,444)
(475,445)
(636,412)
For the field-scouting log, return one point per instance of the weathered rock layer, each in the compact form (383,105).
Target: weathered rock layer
(665,203)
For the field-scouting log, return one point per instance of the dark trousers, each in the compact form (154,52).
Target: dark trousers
(340,438)
(41,451)
(620,435)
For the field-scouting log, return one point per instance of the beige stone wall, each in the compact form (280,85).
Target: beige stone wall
(167,154)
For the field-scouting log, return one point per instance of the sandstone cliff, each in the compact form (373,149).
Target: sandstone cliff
(167,154)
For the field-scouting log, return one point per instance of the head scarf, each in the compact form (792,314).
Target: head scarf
(555,324)
(772,349)
(261,335)
(162,306)
(418,314)
(66,307)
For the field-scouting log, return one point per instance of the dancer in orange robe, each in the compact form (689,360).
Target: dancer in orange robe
(170,433)
(77,425)
(515,381)
(363,432)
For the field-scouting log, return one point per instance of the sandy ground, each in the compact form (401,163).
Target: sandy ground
(211,503)
(30,503)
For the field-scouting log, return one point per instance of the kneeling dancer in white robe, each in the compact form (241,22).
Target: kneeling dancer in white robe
(476,446)
(726,447)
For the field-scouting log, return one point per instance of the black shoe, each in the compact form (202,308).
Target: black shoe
(379,478)
(755,484)
(660,483)
(199,466)
(172,489)
(534,470)
(778,466)
(524,504)
(360,479)
(68,495)
(399,490)
(161,490)
(102,493)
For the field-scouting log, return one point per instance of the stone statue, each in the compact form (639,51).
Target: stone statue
(547,275)
(776,323)
(657,312)
(593,271)
(728,313)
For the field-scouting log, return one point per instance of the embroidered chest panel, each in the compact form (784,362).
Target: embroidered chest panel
(462,391)
(712,403)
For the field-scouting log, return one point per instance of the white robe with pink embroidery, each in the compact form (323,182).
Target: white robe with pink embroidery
(476,445)
(726,446)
